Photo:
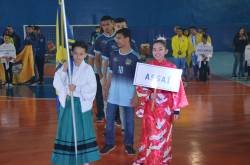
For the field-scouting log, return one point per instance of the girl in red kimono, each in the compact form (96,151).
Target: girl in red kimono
(157,122)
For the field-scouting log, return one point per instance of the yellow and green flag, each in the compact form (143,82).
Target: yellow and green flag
(61,54)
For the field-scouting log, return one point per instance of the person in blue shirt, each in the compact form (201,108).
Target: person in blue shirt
(107,26)
(119,23)
(111,47)
(120,91)
(101,66)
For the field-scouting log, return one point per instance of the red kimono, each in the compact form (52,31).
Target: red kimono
(157,125)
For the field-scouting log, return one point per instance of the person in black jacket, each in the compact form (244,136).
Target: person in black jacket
(30,36)
(15,37)
(240,42)
(39,51)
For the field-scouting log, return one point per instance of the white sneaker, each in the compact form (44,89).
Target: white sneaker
(10,85)
(7,84)
(34,84)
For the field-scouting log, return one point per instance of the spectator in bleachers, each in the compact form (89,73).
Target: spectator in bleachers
(239,42)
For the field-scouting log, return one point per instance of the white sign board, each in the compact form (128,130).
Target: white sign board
(247,53)
(7,51)
(157,77)
(204,50)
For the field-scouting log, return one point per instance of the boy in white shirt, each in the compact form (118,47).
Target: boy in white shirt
(8,56)
(203,58)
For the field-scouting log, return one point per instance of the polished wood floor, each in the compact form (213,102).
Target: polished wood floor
(213,130)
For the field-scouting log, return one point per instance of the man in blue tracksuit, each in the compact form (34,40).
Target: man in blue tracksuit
(39,51)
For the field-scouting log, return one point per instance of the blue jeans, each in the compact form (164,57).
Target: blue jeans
(128,121)
(238,61)
(181,64)
(122,117)
(195,65)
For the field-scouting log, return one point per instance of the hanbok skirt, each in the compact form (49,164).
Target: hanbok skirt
(64,149)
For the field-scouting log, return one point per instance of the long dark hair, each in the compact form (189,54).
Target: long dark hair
(245,33)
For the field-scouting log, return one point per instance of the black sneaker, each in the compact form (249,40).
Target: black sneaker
(107,149)
(35,83)
(130,150)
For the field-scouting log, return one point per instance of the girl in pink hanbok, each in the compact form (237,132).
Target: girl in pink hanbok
(158,110)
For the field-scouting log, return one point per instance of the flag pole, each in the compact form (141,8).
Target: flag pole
(70,75)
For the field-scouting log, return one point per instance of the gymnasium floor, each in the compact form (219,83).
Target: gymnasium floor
(213,129)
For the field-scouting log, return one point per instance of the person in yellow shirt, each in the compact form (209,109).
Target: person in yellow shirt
(176,28)
(186,32)
(180,47)
(193,39)
(203,31)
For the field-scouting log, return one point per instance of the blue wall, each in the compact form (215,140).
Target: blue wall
(146,18)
